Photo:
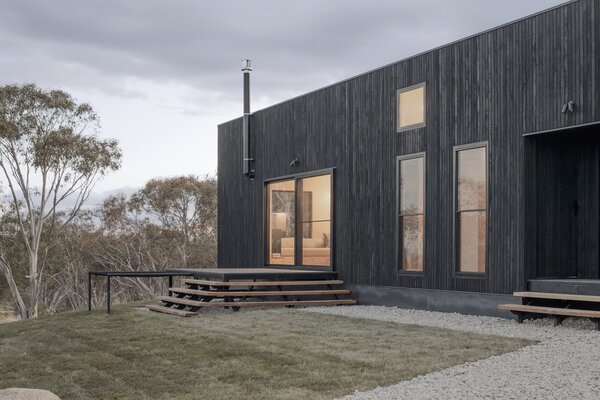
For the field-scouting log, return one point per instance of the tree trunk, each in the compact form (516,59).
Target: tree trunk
(7,272)
(33,284)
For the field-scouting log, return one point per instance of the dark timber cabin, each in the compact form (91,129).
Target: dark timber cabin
(444,181)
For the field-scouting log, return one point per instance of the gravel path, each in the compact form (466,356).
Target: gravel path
(564,365)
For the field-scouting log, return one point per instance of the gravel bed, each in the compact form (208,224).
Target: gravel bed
(564,365)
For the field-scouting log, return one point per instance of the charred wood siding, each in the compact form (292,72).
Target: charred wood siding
(493,87)
(565,185)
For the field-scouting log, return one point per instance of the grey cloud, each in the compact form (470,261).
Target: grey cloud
(163,73)
(294,43)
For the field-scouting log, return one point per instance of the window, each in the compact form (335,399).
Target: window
(411,107)
(411,191)
(299,221)
(471,208)
(281,222)
(315,220)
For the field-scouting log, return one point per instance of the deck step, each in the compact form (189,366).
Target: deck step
(204,282)
(558,296)
(199,304)
(258,293)
(173,311)
(566,312)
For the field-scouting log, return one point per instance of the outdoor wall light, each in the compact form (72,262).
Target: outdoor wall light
(294,162)
(569,107)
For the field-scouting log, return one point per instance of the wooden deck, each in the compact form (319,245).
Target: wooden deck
(270,274)
(235,288)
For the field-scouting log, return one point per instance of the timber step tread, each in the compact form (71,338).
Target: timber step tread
(568,312)
(173,311)
(204,282)
(558,296)
(258,293)
(194,303)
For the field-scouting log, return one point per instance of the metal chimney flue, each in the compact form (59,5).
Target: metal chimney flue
(246,159)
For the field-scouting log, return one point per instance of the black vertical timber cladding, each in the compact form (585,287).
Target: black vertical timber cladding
(588,180)
(493,87)
(566,183)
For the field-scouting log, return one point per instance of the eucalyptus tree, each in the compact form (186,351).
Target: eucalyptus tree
(50,159)
(186,205)
(169,222)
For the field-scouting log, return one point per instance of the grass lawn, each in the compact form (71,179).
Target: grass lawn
(6,315)
(274,354)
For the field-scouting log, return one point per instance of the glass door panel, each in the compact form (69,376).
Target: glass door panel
(315,219)
(281,222)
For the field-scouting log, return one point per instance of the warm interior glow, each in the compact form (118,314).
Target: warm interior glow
(411,219)
(316,220)
(411,107)
(472,188)
(473,229)
(313,221)
(472,209)
(281,222)
(411,186)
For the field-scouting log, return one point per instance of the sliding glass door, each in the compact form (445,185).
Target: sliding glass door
(299,221)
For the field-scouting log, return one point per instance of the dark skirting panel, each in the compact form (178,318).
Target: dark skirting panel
(433,300)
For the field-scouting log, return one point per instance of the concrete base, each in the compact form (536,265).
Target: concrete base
(433,300)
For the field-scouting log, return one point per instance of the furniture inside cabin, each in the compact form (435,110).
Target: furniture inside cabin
(311,247)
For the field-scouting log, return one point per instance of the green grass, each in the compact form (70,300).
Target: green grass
(274,354)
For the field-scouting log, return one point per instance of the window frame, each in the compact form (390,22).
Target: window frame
(398,161)
(267,222)
(298,244)
(408,89)
(456,273)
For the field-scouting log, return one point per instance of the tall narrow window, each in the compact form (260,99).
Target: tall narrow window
(471,212)
(281,222)
(411,107)
(411,191)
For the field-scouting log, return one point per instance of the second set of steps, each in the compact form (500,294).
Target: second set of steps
(202,293)
(555,305)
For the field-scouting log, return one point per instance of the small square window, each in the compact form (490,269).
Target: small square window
(411,107)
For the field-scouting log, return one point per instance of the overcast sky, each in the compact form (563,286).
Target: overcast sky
(163,73)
